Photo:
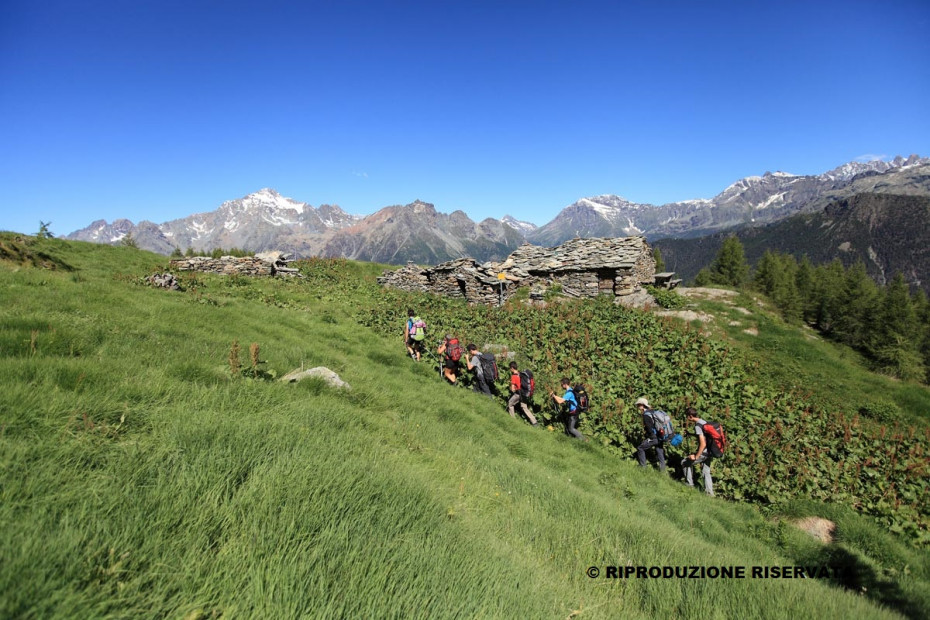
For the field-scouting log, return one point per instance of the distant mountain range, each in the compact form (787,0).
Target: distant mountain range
(266,220)
(750,201)
(889,233)
(418,233)
(261,221)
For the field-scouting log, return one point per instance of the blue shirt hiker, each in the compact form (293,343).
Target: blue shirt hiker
(571,419)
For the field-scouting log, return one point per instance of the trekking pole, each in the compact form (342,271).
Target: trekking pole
(441,377)
(430,355)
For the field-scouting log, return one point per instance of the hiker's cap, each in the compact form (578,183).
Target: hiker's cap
(643,402)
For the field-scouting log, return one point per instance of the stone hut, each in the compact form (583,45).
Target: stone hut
(581,267)
(264,264)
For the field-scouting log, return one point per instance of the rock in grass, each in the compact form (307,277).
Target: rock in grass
(322,372)
(821,529)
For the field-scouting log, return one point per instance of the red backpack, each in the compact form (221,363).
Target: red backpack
(453,350)
(717,444)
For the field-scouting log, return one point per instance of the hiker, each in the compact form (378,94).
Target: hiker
(451,352)
(652,437)
(570,401)
(473,362)
(520,393)
(414,334)
(701,456)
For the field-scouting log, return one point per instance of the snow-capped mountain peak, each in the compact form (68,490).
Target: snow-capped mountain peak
(849,170)
(518,225)
(267,199)
(750,200)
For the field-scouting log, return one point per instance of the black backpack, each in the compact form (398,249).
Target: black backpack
(581,395)
(488,367)
(527,384)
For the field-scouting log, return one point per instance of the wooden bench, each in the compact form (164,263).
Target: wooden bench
(665,280)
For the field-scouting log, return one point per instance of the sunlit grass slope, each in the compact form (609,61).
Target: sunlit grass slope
(835,375)
(138,478)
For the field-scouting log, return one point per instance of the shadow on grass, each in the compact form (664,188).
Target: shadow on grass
(853,573)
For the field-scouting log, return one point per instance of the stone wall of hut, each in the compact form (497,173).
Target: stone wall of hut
(581,268)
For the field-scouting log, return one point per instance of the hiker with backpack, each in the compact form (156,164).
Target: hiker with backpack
(711,443)
(574,404)
(414,335)
(451,352)
(522,386)
(485,367)
(658,427)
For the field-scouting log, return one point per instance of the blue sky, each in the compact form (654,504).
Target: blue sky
(159,109)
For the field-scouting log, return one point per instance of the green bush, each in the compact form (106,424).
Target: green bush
(881,411)
(782,443)
(667,298)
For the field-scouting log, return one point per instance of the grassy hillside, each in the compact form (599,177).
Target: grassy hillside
(139,477)
(835,376)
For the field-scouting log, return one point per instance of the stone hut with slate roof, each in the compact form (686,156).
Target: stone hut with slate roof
(581,267)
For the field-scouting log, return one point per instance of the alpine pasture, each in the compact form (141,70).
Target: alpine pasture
(152,465)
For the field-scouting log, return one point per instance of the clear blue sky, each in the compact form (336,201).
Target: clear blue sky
(156,109)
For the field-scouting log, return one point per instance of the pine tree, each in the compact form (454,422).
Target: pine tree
(805,281)
(894,341)
(828,293)
(764,278)
(776,276)
(922,312)
(859,300)
(786,294)
(704,277)
(44,232)
(729,267)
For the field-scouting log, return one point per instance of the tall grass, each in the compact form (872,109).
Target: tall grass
(139,477)
(834,374)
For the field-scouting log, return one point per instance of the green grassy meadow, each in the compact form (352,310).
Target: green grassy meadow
(835,375)
(140,478)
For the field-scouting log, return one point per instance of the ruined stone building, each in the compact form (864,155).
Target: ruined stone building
(263,264)
(580,267)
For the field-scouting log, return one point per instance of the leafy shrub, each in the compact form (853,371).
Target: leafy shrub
(881,411)
(554,291)
(666,298)
(782,445)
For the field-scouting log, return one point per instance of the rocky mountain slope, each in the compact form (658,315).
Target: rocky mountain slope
(417,232)
(750,201)
(887,232)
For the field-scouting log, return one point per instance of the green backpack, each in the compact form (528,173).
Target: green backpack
(417,328)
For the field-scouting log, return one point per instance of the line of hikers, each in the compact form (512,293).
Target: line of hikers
(712,441)
(657,424)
